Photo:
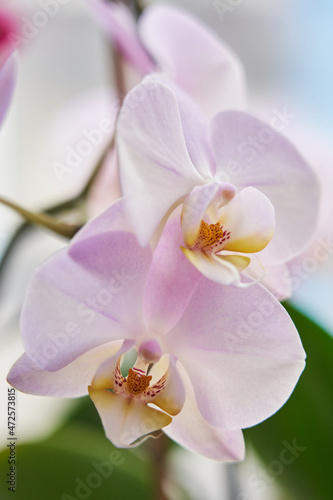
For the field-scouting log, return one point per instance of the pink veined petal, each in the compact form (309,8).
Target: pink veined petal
(193,57)
(126,419)
(192,431)
(111,219)
(213,267)
(119,24)
(71,381)
(241,351)
(81,298)
(250,219)
(171,280)
(254,154)
(155,168)
(7,83)
(195,126)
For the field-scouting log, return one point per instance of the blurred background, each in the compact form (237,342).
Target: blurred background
(285,47)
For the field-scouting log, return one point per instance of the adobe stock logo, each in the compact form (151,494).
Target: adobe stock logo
(91,139)
(31,26)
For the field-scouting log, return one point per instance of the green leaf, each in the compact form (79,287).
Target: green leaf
(78,462)
(296,443)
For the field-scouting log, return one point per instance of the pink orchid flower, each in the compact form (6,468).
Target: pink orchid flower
(208,360)
(170,40)
(243,187)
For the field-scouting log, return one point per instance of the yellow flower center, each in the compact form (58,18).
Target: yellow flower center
(211,238)
(209,233)
(137,384)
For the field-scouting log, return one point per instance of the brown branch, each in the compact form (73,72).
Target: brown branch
(159,449)
(43,219)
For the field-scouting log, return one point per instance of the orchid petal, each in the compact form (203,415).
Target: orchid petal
(259,156)
(249,217)
(241,351)
(193,210)
(276,279)
(195,127)
(170,282)
(111,219)
(81,298)
(239,261)
(193,57)
(191,430)
(126,419)
(118,23)
(214,267)
(71,381)
(171,398)
(155,168)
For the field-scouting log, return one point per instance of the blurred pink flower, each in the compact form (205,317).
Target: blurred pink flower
(170,40)
(90,305)
(8,26)
(239,181)
(7,84)
(8,63)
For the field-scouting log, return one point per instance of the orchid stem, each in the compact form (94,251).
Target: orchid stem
(58,208)
(43,219)
(119,74)
(159,449)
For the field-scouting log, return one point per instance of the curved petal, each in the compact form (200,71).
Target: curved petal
(214,267)
(194,57)
(250,219)
(8,72)
(241,351)
(194,207)
(118,23)
(170,282)
(126,420)
(195,128)
(191,430)
(155,167)
(111,219)
(240,262)
(171,398)
(71,381)
(81,297)
(261,157)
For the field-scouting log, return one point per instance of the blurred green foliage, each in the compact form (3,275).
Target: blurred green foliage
(304,426)
(77,462)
